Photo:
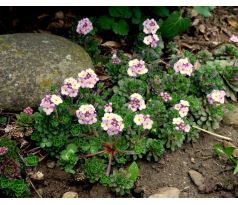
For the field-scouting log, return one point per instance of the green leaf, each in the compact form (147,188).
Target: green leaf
(134,171)
(236,168)
(120,11)
(218,148)
(228,151)
(3,120)
(121,27)
(136,17)
(174,25)
(105,22)
(204,10)
(161,11)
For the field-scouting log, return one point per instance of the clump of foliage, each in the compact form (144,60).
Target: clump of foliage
(139,111)
(11,168)
(230,152)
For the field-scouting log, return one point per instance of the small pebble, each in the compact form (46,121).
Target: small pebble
(70,194)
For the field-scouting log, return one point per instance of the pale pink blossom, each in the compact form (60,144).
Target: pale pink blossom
(108,107)
(87,78)
(143,120)
(150,26)
(184,67)
(216,96)
(136,67)
(86,114)
(234,39)
(112,123)
(84,26)
(136,102)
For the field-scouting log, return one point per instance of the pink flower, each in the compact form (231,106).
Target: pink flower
(28,110)
(70,87)
(112,123)
(84,26)
(234,39)
(3,150)
(136,102)
(87,78)
(143,120)
(115,59)
(108,107)
(184,67)
(182,107)
(86,114)
(136,67)
(49,102)
(151,40)
(165,96)
(150,26)
(216,96)
(180,125)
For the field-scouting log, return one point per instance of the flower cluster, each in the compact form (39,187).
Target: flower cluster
(150,26)
(112,123)
(136,102)
(49,102)
(86,114)
(182,107)
(165,96)
(136,67)
(108,107)
(3,150)
(87,78)
(115,59)
(70,87)
(234,39)
(84,26)
(216,96)
(143,120)
(151,40)
(180,125)
(184,67)
(28,110)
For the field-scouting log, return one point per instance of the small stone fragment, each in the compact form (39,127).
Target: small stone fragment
(166,192)
(70,194)
(37,175)
(192,160)
(40,191)
(50,164)
(198,179)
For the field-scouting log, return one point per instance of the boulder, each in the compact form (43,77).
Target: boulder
(30,63)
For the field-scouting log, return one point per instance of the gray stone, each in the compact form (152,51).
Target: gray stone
(70,194)
(198,179)
(166,192)
(30,63)
(231,117)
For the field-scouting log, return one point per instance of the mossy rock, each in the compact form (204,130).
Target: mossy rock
(30,63)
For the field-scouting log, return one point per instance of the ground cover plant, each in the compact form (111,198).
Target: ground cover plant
(143,98)
(137,106)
